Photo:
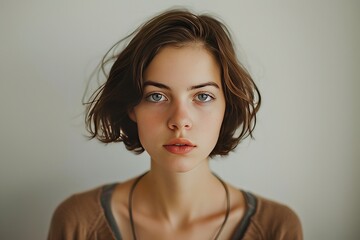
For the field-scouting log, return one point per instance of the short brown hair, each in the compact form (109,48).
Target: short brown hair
(107,116)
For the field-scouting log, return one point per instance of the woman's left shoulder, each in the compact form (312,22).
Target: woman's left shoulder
(267,207)
(275,217)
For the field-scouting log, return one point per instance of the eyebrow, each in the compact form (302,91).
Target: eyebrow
(163,86)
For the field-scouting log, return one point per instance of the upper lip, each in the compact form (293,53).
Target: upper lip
(180,141)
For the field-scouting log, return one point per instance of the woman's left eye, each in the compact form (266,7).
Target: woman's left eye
(204,97)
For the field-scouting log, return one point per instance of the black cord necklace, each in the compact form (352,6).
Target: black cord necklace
(131,212)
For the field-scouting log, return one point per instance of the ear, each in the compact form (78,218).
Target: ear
(132,115)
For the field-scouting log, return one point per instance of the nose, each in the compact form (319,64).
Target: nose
(180,117)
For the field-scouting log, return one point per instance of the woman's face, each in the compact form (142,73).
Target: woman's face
(180,115)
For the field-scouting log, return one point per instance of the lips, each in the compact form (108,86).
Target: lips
(179,146)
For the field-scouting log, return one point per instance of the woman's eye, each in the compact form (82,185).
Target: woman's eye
(204,97)
(155,97)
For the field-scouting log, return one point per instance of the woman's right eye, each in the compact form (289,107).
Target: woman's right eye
(155,97)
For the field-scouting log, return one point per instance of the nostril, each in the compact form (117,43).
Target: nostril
(179,126)
(179,117)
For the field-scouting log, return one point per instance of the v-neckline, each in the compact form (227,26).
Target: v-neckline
(105,200)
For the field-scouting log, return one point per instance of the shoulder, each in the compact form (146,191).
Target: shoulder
(78,216)
(84,206)
(274,220)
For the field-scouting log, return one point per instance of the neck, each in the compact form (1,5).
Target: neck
(181,197)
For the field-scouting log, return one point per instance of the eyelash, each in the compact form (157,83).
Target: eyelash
(149,97)
(207,97)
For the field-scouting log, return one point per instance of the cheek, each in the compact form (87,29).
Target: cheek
(210,122)
(212,125)
(148,126)
(214,116)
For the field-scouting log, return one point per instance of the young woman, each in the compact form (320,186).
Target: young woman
(178,92)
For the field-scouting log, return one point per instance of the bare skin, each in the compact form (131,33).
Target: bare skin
(163,210)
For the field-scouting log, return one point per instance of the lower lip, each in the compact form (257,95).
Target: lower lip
(179,149)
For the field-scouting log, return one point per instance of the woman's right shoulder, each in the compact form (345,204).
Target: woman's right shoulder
(77,215)
(80,203)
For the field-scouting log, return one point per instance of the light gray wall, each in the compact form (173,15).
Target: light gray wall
(304,55)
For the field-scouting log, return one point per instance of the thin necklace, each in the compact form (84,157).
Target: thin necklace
(131,212)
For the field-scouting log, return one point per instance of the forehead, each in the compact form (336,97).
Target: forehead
(190,63)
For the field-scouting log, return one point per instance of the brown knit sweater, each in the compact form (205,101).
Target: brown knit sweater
(82,216)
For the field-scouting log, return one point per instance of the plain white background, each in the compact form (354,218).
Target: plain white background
(304,56)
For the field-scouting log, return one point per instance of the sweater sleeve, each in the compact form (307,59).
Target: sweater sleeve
(288,225)
(273,220)
(80,217)
(67,221)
